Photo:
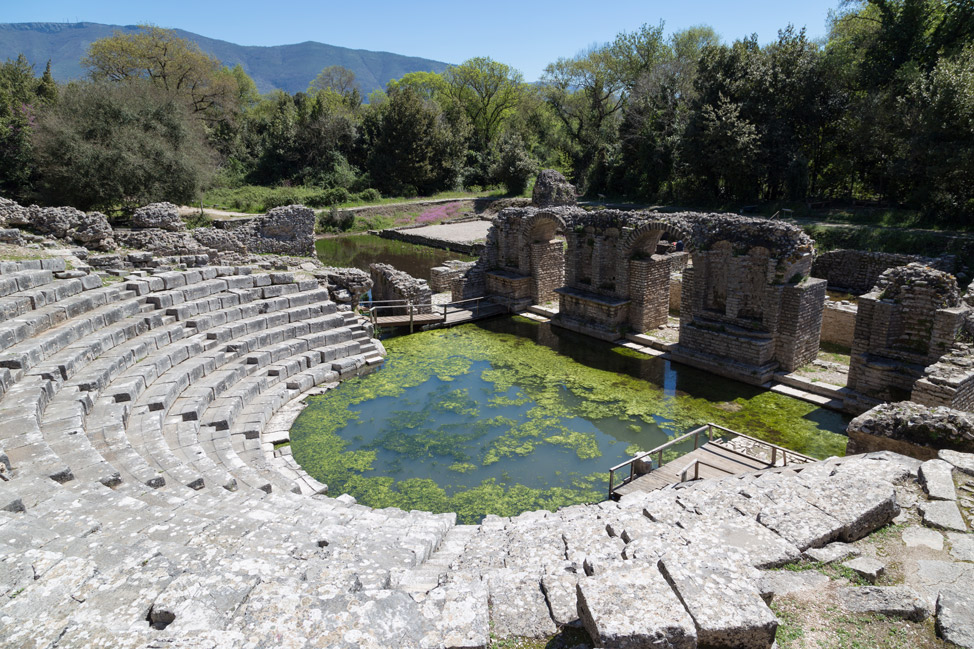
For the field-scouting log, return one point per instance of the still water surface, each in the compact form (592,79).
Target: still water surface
(508,415)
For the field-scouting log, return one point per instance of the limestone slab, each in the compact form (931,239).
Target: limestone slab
(866,567)
(955,617)
(961,546)
(660,620)
(964,462)
(517,605)
(832,552)
(726,607)
(776,583)
(943,515)
(915,537)
(893,601)
(936,476)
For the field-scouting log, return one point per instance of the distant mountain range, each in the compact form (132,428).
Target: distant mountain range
(284,67)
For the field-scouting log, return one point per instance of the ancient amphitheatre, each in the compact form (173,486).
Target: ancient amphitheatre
(144,506)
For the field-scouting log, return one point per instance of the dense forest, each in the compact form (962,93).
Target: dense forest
(881,110)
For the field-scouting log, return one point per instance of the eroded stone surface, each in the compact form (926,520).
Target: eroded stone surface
(893,601)
(915,537)
(937,479)
(943,515)
(832,552)
(866,567)
(962,461)
(961,546)
(777,583)
(659,621)
(955,617)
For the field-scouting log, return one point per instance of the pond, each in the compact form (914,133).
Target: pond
(508,415)
(358,251)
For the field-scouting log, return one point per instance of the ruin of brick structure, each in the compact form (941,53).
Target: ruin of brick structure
(857,271)
(907,342)
(911,429)
(748,306)
(390,284)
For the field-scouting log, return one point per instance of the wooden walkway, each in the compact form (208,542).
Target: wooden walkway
(416,320)
(717,453)
(716,461)
(444,315)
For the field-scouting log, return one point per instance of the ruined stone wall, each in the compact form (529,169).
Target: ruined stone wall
(857,271)
(649,279)
(839,323)
(800,323)
(283,230)
(392,284)
(909,321)
(912,429)
(949,382)
(442,277)
(547,270)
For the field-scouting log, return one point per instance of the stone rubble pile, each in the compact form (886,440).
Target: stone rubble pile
(158,228)
(551,189)
(91,230)
(164,216)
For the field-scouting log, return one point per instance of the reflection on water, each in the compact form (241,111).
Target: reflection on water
(508,415)
(358,251)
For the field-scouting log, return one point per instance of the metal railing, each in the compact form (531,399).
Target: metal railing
(373,309)
(695,465)
(709,431)
(658,452)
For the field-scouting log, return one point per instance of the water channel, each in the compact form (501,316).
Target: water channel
(358,251)
(508,415)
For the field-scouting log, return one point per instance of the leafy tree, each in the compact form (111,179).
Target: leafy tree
(513,166)
(488,92)
(410,143)
(339,80)
(21,96)
(108,145)
(175,64)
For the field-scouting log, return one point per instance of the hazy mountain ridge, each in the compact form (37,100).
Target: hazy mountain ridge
(285,67)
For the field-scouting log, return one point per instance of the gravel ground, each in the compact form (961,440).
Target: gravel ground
(466,232)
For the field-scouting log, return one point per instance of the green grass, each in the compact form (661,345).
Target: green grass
(255,199)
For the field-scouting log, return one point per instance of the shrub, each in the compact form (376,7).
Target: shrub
(107,145)
(513,167)
(281,197)
(369,195)
(408,191)
(334,220)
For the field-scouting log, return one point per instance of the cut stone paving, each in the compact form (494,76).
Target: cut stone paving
(144,503)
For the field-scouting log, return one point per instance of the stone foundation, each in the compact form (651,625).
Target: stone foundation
(442,277)
(391,284)
(906,323)
(857,271)
(839,323)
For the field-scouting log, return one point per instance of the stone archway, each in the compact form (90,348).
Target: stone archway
(541,254)
(647,273)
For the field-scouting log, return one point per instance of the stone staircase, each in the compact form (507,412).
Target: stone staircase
(141,504)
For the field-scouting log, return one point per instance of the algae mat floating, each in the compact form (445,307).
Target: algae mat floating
(508,416)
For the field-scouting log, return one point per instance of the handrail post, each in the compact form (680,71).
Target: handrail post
(774,456)
(611,480)
(410,307)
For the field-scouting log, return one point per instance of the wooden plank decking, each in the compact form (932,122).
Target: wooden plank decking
(727,461)
(417,320)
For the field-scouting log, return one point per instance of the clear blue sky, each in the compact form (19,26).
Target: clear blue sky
(527,34)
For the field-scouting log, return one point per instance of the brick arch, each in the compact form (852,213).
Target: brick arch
(653,229)
(538,258)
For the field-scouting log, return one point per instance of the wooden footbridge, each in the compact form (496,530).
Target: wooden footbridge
(716,452)
(404,313)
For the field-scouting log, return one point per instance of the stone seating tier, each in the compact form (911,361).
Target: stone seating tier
(139,506)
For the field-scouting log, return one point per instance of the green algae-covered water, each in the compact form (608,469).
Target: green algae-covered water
(508,415)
